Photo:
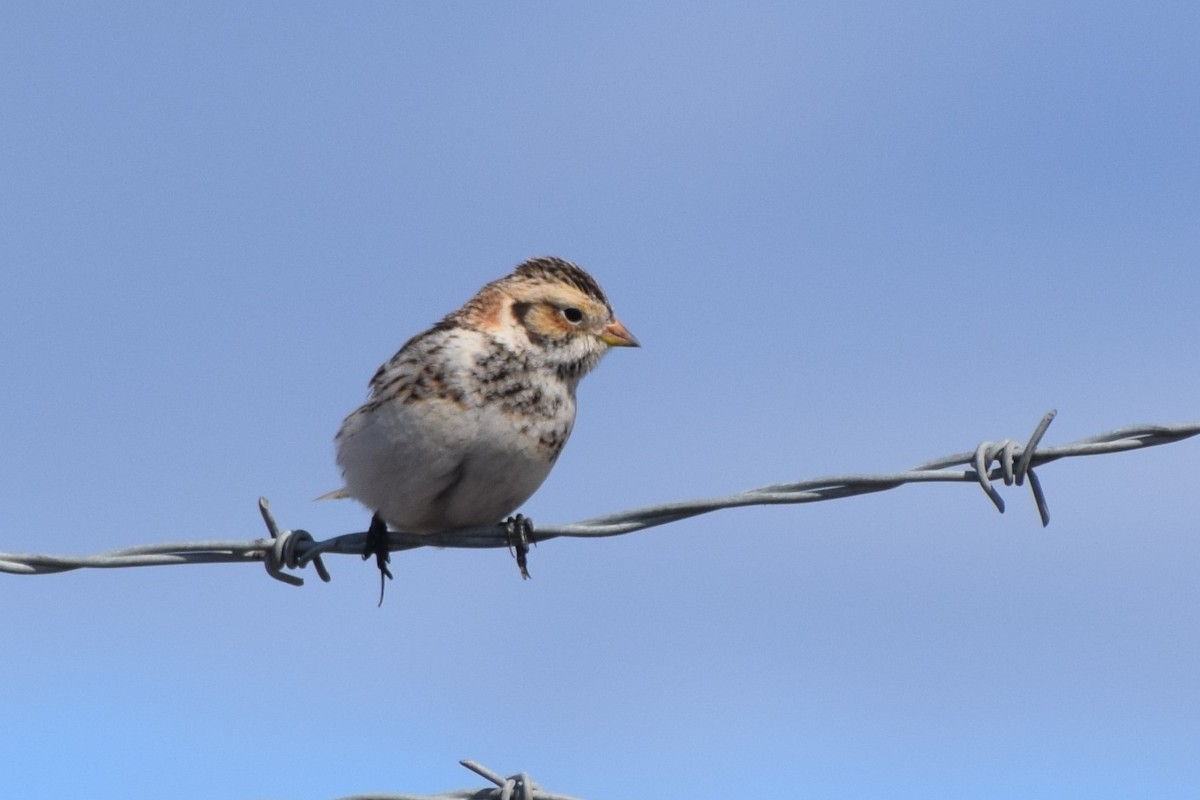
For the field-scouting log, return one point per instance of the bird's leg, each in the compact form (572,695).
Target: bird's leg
(377,545)
(520,534)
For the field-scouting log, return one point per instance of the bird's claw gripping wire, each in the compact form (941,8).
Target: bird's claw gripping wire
(376,544)
(519,530)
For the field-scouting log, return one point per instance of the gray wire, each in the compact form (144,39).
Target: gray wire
(514,787)
(1006,461)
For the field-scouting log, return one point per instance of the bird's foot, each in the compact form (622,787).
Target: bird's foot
(377,545)
(520,534)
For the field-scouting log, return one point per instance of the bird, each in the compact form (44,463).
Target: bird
(463,424)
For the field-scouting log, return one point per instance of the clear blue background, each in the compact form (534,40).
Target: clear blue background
(851,236)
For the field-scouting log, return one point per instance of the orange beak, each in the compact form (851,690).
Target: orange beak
(617,335)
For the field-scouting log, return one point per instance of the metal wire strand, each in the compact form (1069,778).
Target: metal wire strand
(514,787)
(1005,461)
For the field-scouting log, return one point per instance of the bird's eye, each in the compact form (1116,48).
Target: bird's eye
(572,315)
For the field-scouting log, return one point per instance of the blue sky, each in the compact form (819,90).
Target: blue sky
(850,236)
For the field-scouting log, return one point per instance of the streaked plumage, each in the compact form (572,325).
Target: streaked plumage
(463,424)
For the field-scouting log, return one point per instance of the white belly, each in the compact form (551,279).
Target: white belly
(447,467)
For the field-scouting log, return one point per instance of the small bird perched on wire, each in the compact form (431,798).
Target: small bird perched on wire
(463,424)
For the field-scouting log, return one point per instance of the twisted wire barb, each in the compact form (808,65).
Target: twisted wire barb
(1005,460)
(514,787)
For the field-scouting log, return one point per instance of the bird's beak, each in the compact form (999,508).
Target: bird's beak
(617,335)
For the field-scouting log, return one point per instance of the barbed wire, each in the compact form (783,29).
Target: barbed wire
(1005,460)
(514,787)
